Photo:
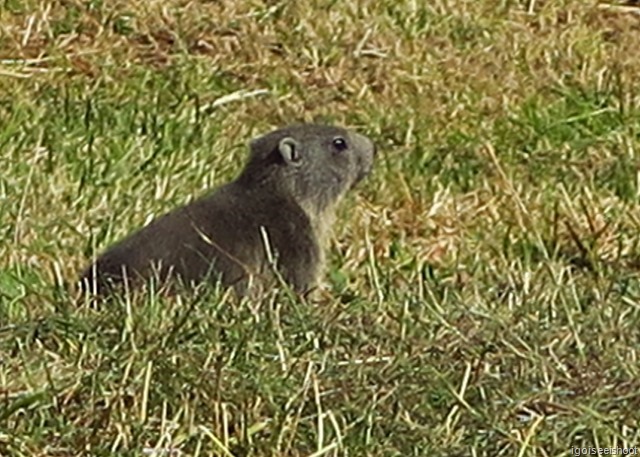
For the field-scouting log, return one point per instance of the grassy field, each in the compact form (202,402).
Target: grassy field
(483,292)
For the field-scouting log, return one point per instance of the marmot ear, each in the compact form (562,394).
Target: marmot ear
(289,151)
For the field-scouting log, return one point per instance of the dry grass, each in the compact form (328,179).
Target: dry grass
(484,285)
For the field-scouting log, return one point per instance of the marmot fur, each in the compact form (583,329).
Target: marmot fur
(280,207)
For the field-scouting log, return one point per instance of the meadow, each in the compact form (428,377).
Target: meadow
(482,296)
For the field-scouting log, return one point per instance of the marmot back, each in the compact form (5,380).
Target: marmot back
(284,199)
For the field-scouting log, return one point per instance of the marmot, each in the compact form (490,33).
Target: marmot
(280,207)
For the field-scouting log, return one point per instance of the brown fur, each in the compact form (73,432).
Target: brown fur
(287,191)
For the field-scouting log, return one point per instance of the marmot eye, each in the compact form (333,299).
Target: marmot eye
(340,144)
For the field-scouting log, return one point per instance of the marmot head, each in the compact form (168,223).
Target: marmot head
(313,164)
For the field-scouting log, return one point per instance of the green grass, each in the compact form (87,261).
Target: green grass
(483,287)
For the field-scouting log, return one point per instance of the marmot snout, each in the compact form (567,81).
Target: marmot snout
(284,199)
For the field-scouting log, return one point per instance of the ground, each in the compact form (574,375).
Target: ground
(483,285)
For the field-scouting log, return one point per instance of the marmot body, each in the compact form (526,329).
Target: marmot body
(284,199)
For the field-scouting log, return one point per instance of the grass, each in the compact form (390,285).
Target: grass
(483,285)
